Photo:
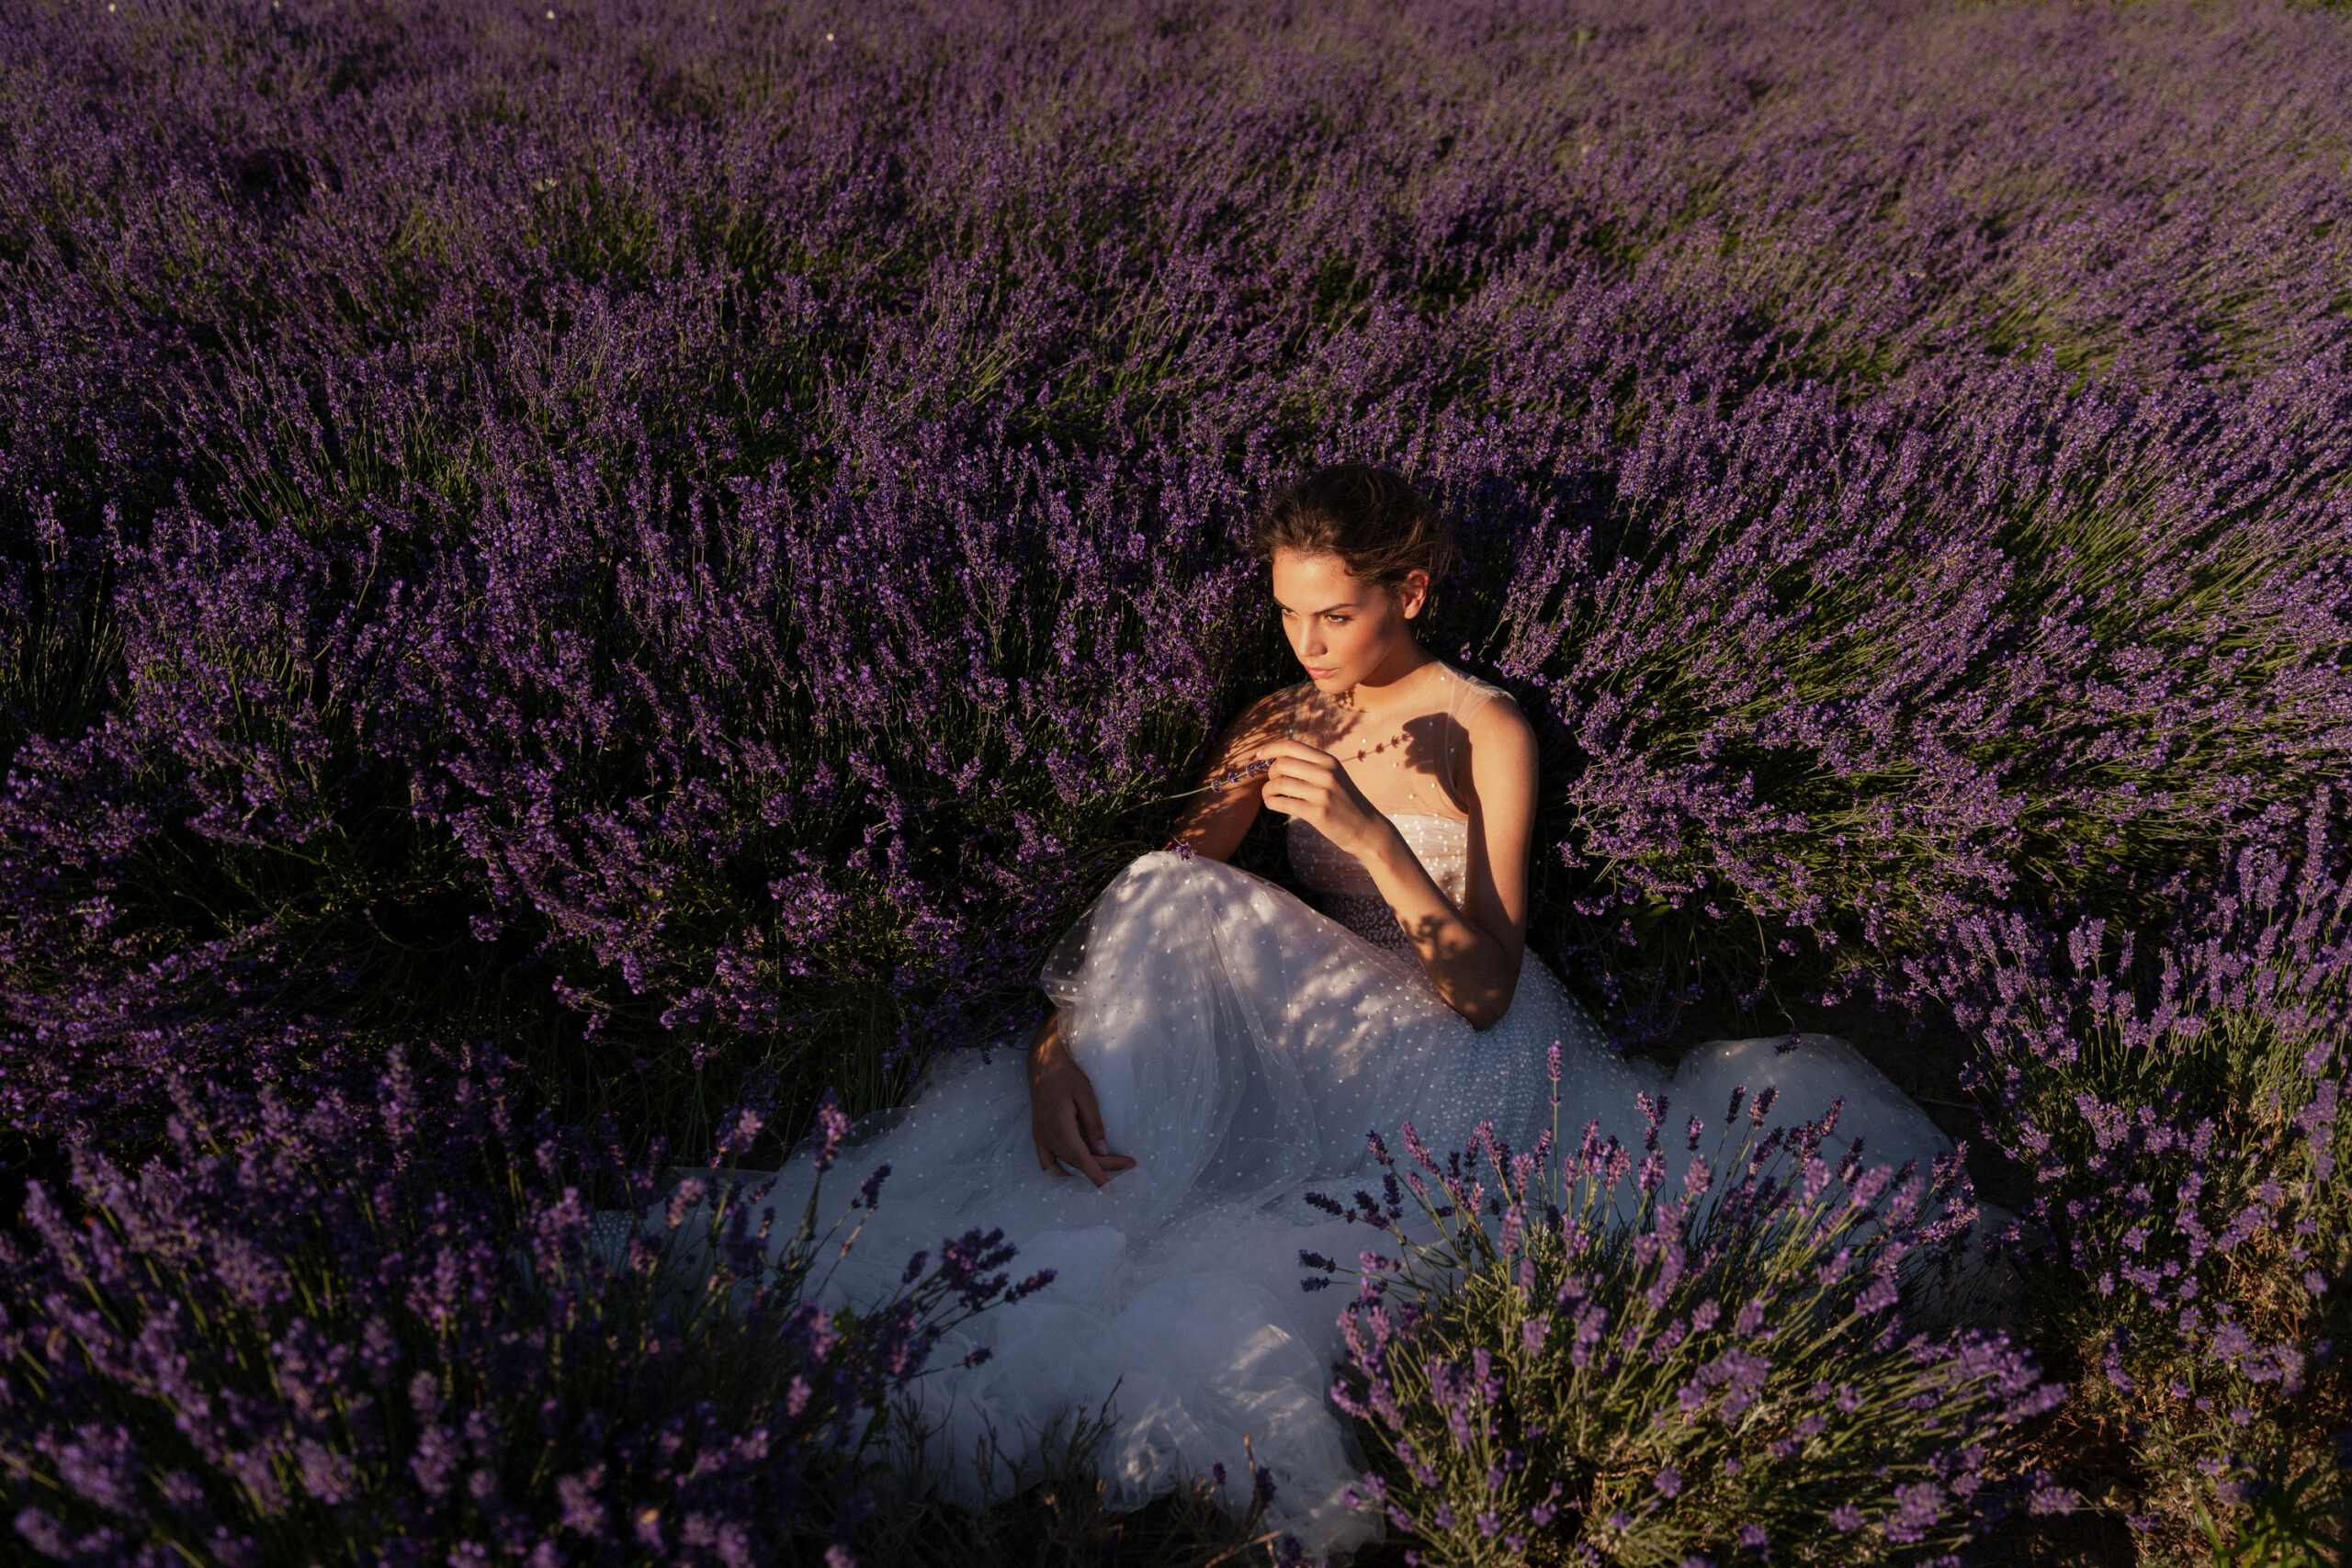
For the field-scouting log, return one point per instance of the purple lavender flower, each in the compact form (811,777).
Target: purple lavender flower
(1652,1374)
(212,1329)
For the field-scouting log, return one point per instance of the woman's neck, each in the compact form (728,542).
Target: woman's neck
(1393,680)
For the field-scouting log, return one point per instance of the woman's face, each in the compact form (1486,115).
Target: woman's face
(1344,630)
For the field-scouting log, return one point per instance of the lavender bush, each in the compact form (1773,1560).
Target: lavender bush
(2182,1112)
(395,1330)
(1724,1371)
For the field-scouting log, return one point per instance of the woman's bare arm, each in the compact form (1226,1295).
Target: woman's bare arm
(1216,823)
(1498,786)
(1064,1122)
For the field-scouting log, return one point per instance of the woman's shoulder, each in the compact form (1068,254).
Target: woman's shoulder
(1267,718)
(1274,708)
(1482,702)
(1492,727)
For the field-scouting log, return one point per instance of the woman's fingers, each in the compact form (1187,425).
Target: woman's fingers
(1309,797)
(1090,1122)
(1298,762)
(1090,1126)
(1079,1156)
(1311,786)
(1293,750)
(1069,1133)
(1295,772)
(1295,779)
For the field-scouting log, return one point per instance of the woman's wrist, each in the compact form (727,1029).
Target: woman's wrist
(1048,1064)
(1386,847)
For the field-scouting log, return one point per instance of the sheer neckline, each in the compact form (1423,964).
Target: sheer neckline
(1430,739)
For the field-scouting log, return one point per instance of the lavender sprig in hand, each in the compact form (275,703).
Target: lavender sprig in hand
(1223,780)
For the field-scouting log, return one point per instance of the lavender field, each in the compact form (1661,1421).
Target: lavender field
(574,579)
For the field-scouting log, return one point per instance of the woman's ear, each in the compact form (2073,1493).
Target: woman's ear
(1412,593)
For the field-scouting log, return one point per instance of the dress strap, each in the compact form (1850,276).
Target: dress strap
(1452,725)
(1470,694)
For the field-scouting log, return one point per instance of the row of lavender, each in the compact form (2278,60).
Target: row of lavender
(687,542)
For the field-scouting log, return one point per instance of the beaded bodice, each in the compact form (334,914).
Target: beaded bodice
(1345,891)
(1398,774)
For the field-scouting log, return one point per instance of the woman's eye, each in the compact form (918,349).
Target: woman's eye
(1337,620)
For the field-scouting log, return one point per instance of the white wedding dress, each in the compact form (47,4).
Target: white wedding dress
(1241,1045)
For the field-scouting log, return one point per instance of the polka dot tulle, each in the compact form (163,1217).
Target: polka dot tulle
(1241,1045)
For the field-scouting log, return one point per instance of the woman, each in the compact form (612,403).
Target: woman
(1220,1049)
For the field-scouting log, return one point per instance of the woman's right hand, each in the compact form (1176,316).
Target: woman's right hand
(1063,1119)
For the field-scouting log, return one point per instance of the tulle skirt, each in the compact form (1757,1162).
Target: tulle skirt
(1241,1047)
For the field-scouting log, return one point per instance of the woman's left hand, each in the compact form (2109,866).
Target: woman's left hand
(1311,786)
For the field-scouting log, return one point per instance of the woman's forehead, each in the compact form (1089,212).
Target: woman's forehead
(1321,576)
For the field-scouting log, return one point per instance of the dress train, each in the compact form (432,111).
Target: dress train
(1240,1045)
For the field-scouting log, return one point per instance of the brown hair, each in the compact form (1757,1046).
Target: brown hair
(1370,517)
